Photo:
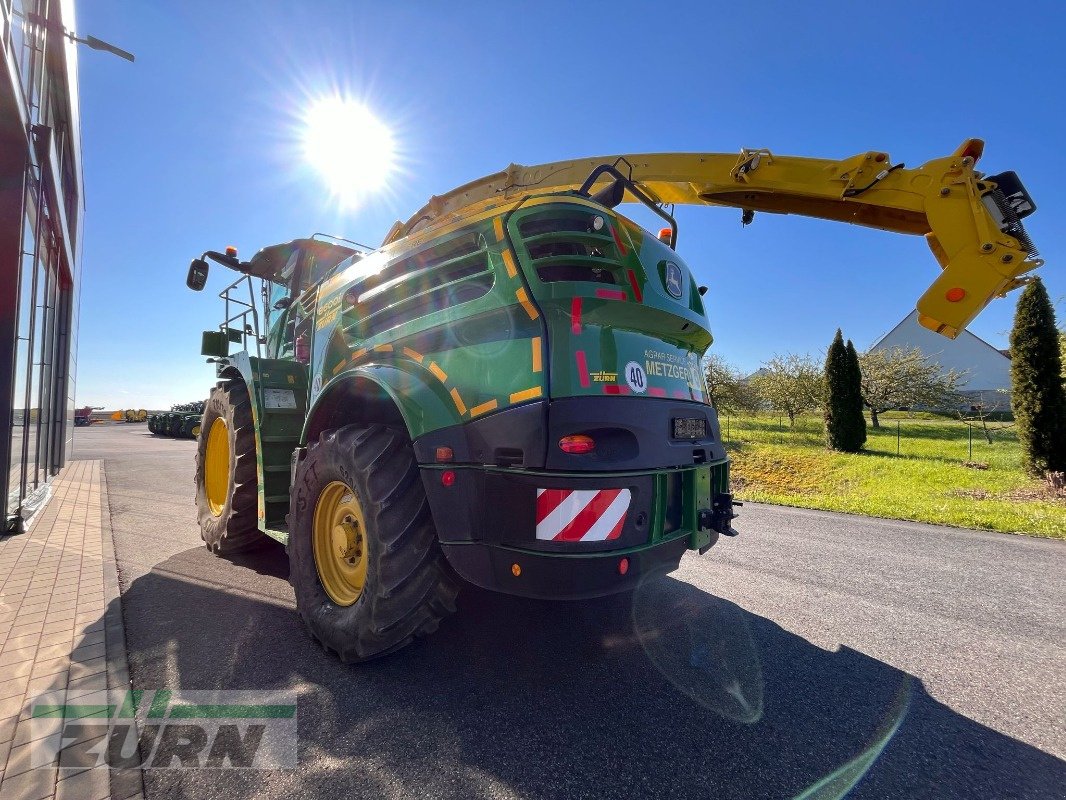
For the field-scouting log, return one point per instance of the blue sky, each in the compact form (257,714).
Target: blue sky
(195,146)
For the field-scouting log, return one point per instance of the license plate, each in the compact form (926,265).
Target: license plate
(690,427)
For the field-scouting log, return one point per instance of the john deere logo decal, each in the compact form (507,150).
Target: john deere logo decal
(673,279)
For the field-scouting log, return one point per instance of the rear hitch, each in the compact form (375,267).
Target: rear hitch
(718,517)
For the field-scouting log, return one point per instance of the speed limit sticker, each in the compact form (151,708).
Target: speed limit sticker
(636,378)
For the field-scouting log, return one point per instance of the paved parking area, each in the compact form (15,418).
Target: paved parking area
(814,652)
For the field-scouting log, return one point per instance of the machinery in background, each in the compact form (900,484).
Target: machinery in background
(84,416)
(182,421)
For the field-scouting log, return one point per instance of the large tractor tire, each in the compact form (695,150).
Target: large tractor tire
(364,560)
(190,426)
(226,481)
(174,425)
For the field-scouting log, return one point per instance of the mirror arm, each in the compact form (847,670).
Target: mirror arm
(225,260)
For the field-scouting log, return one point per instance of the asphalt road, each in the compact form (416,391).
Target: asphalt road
(781,664)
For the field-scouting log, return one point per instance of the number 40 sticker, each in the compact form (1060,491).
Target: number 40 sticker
(636,378)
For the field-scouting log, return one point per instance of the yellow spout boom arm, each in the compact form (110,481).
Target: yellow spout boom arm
(944,200)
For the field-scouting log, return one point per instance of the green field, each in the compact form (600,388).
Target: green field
(932,479)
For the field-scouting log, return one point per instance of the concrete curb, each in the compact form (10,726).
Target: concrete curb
(125,784)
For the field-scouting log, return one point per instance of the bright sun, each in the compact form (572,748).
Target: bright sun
(350,147)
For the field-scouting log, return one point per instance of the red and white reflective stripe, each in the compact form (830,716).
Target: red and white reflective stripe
(581,515)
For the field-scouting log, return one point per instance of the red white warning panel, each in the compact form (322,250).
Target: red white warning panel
(581,515)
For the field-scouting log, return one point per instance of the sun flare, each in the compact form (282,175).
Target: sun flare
(349,147)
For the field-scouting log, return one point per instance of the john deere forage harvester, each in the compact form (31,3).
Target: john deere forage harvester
(509,390)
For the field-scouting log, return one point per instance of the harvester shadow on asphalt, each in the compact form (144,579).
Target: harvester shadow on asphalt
(672,692)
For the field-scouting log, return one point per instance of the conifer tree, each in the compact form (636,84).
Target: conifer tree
(855,384)
(1037,394)
(845,426)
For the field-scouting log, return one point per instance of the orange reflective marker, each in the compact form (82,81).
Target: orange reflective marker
(955,294)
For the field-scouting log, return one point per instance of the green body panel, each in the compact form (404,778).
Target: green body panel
(277,428)
(469,352)
(463,321)
(599,327)
(490,352)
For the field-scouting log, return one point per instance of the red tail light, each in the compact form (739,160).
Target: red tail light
(577,445)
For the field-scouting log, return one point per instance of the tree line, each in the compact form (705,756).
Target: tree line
(796,384)
(849,382)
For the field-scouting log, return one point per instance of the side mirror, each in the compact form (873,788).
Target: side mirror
(197,277)
(284,302)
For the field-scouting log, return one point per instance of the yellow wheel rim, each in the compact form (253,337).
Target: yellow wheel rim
(338,537)
(195,430)
(216,466)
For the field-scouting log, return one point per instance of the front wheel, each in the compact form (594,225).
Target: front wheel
(227,486)
(364,561)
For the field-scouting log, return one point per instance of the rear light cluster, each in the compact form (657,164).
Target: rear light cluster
(578,444)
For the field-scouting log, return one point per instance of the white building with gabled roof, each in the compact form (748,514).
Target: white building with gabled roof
(984,368)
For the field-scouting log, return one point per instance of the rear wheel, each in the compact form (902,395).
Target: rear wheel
(364,561)
(226,481)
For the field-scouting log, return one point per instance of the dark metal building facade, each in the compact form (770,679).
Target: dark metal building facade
(41,209)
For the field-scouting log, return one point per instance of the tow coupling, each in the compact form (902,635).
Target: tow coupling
(719,517)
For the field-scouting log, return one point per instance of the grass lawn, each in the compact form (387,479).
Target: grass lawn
(928,481)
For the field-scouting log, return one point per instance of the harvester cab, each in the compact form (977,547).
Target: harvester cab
(288,274)
(509,390)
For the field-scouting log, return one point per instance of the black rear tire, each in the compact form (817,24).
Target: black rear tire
(234,529)
(409,587)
